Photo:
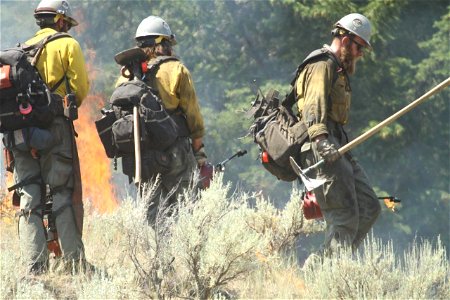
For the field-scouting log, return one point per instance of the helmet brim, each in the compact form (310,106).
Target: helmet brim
(349,31)
(72,21)
(141,40)
(41,12)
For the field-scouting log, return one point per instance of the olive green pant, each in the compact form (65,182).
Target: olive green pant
(173,182)
(55,168)
(349,205)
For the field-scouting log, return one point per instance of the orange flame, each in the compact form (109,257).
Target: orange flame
(7,210)
(390,204)
(95,166)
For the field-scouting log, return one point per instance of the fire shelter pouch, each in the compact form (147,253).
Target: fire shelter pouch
(123,135)
(104,130)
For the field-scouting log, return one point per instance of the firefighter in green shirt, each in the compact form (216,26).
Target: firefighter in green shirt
(347,200)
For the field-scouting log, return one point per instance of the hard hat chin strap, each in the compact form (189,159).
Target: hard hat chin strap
(57,18)
(159,39)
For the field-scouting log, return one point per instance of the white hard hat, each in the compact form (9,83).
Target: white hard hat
(49,7)
(154,27)
(358,25)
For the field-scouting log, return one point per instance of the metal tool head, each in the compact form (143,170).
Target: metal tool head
(310,183)
(129,56)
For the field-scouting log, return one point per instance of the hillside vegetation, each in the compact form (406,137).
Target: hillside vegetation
(246,237)
(224,245)
(230,45)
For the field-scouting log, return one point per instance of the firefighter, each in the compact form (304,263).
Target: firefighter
(175,87)
(347,200)
(53,166)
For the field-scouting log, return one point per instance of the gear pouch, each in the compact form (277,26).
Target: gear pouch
(31,137)
(154,162)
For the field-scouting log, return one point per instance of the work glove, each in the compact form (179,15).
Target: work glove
(200,156)
(328,151)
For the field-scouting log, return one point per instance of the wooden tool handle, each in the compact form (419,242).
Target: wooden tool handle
(363,137)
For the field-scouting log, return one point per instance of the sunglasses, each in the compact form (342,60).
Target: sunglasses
(359,46)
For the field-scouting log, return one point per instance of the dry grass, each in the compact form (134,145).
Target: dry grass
(219,246)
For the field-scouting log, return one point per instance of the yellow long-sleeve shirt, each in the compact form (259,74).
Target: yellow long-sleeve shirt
(176,90)
(60,56)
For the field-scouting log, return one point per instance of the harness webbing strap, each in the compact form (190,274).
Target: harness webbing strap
(39,46)
(33,211)
(153,67)
(32,180)
(290,101)
(177,114)
(56,86)
(154,64)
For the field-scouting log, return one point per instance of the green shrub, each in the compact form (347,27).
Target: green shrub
(220,243)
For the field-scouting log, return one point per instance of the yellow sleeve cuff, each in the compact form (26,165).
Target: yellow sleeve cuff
(316,130)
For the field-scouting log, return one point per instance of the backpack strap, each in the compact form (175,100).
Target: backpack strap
(153,67)
(56,86)
(290,100)
(35,51)
(37,179)
(150,76)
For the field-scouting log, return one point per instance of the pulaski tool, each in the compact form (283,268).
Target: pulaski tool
(311,183)
(134,65)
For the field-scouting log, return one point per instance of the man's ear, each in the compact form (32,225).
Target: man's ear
(345,40)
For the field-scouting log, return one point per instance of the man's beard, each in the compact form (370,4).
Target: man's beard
(348,61)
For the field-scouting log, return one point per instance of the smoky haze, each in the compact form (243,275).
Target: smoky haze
(229,44)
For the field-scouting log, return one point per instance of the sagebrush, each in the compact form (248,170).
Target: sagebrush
(220,243)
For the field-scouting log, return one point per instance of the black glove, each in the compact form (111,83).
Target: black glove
(327,150)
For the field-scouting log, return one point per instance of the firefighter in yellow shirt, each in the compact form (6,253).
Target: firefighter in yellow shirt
(175,87)
(347,200)
(51,170)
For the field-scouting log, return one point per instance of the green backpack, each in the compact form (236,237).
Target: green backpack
(277,130)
